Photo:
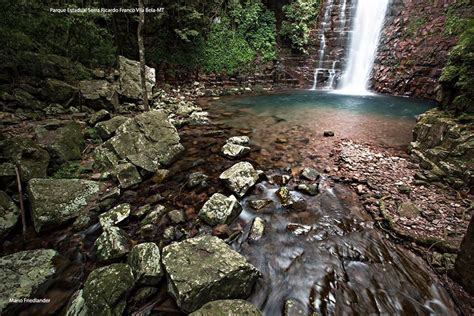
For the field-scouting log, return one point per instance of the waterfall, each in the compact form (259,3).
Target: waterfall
(322,45)
(367,26)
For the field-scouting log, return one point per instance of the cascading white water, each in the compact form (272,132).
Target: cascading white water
(322,46)
(370,15)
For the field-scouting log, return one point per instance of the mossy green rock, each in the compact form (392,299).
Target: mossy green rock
(63,140)
(145,261)
(220,209)
(227,307)
(56,201)
(115,215)
(31,159)
(24,272)
(58,91)
(106,289)
(111,244)
(9,214)
(148,141)
(106,129)
(204,269)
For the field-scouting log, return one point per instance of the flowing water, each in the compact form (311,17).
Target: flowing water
(328,258)
(370,15)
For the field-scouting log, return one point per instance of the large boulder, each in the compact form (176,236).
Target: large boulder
(31,159)
(204,269)
(58,91)
(145,260)
(106,129)
(227,307)
(99,94)
(220,209)
(63,140)
(130,82)
(77,305)
(56,201)
(23,273)
(148,141)
(111,244)
(106,289)
(9,214)
(240,178)
(463,268)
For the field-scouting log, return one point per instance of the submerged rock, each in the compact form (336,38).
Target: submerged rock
(111,244)
(145,261)
(290,199)
(106,289)
(115,215)
(31,159)
(55,201)
(240,178)
(204,269)
(9,214)
(148,141)
(227,307)
(22,273)
(220,209)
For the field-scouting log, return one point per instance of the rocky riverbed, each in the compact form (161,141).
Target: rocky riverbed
(175,211)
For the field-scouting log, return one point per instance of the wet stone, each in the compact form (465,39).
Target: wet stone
(145,261)
(328,134)
(240,178)
(310,174)
(114,216)
(205,269)
(259,204)
(106,289)
(257,229)
(239,140)
(111,244)
(294,308)
(227,307)
(220,209)
(310,189)
(197,180)
(298,229)
(234,151)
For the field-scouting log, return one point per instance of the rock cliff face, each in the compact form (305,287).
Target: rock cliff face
(414,48)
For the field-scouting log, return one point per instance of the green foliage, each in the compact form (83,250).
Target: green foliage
(454,24)
(458,74)
(29,26)
(69,170)
(296,26)
(414,25)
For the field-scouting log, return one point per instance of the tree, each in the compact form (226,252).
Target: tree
(141,53)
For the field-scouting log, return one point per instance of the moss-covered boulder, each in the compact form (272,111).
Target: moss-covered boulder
(111,244)
(130,82)
(106,289)
(58,91)
(77,305)
(106,129)
(204,269)
(227,307)
(98,94)
(63,140)
(9,214)
(31,159)
(220,209)
(145,260)
(23,273)
(148,141)
(115,215)
(56,201)
(127,175)
(240,178)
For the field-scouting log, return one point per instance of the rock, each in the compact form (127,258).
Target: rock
(130,82)
(227,307)
(22,273)
(290,200)
(204,269)
(148,141)
(257,229)
(284,195)
(56,201)
(31,159)
(54,109)
(111,244)
(239,140)
(310,189)
(99,116)
(328,134)
(408,210)
(106,129)
(127,175)
(145,261)
(220,209)
(142,211)
(98,94)
(310,174)
(259,204)
(7,174)
(77,305)
(160,175)
(9,214)
(58,91)
(240,178)
(176,216)
(404,189)
(280,179)
(105,159)
(106,289)
(63,140)
(464,262)
(294,308)
(234,151)
(115,215)
(154,216)
(197,180)
(298,229)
